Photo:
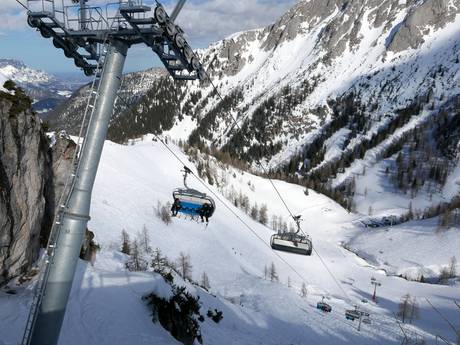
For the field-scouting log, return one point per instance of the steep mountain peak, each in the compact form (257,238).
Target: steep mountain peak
(11,62)
(23,75)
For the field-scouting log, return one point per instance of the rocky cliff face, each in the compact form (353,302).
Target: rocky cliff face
(29,180)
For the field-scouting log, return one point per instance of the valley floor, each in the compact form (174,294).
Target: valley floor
(106,307)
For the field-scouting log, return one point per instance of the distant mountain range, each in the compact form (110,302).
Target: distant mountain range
(47,91)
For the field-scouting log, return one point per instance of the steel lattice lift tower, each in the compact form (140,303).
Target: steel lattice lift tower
(97,39)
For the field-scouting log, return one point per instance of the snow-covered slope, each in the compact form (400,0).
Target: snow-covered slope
(3,78)
(331,93)
(412,250)
(106,307)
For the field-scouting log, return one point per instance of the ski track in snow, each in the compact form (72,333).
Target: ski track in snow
(105,305)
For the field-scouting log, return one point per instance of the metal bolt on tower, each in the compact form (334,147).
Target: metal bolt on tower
(94,37)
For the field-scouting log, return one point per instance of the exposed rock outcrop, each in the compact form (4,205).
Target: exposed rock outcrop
(422,20)
(30,176)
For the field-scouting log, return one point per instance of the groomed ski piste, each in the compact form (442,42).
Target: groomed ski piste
(105,305)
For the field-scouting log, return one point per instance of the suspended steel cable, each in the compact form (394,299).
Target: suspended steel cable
(20,3)
(272,184)
(218,197)
(279,194)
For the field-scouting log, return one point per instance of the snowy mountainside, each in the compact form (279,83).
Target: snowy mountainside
(106,307)
(402,249)
(3,78)
(134,85)
(326,92)
(21,74)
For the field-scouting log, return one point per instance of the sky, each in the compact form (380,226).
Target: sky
(204,22)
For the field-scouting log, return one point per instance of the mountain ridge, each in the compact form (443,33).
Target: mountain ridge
(317,90)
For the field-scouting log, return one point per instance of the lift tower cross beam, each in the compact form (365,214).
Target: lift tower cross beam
(94,38)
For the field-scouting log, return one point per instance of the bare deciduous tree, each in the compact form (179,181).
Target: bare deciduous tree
(404,307)
(144,239)
(185,266)
(254,212)
(263,217)
(205,281)
(408,308)
(303,291)
(164,212)
(136,261)
(272,273)
(453,267)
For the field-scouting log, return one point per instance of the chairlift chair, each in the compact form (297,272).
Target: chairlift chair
(292,242)
(352,314)
(323,306)
(192,202)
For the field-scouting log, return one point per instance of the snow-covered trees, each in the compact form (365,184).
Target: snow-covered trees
(159,263)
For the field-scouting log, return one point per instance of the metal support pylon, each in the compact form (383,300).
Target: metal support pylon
(75,218)
(131,25)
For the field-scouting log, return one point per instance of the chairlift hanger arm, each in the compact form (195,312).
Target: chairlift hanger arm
(177,10)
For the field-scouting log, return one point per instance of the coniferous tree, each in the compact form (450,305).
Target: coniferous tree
(125,243)
(158,262)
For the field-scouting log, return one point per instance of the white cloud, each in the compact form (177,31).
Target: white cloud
(216,19)
(204,21)
(12,15)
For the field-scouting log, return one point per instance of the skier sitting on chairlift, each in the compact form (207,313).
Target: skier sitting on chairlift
(205,212)
(175,207)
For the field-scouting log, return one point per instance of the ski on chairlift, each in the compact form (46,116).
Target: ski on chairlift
(292,242)
(192,202)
